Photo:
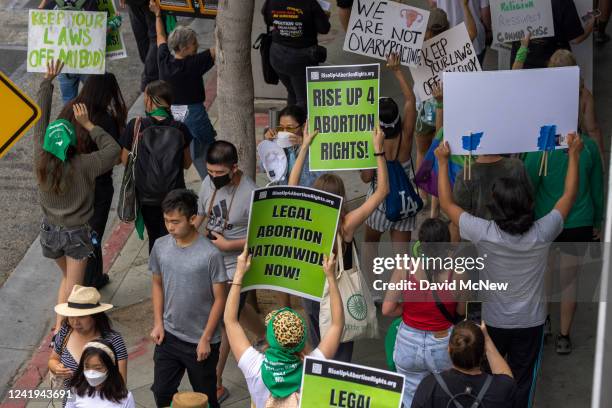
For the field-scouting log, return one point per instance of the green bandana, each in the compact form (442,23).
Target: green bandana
(161,112)
(170,23)
(59,136)
(281,370)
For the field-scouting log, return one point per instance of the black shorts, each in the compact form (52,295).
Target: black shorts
(344,3)
(574,241)
(57,241)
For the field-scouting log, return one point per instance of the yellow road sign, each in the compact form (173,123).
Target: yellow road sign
(19,113)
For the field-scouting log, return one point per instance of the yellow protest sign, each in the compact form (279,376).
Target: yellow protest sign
(20,113)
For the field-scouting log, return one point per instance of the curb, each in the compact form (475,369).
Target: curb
(36,368)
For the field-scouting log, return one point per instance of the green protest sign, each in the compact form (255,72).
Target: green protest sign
(78,38)
(327,383)
(343,107)
(115,46)
(290,229)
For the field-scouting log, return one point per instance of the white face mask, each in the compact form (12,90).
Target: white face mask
(95,378)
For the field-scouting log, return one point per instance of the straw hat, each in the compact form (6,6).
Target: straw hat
(83,301)
(188,399)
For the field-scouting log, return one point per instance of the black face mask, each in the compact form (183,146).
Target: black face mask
(221,181)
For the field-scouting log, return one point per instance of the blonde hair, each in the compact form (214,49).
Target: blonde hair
(330,183)
(562,58)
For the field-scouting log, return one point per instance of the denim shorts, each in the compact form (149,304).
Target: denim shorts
(417,354)
(58,241)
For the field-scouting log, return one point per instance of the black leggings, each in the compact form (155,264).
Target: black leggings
(153,217)
(103,197)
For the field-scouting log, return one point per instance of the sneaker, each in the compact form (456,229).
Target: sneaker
(563,344)
(222,394)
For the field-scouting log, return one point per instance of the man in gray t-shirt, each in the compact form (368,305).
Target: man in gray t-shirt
(188,293)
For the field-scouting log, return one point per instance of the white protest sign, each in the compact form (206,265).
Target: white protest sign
(378,28)
(78,38)
(512,19)
(450,51)
(507,111)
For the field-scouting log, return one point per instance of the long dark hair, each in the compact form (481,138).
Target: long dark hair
(512,205)
(53,174)
(102,96)
(434,239)
(113,388)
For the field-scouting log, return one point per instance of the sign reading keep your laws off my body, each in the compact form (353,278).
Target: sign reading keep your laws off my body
(78,38)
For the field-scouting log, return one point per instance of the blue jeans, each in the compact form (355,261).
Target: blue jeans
(418,353)
(198,123)
(69,85)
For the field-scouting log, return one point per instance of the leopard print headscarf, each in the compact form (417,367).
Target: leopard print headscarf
(288,327)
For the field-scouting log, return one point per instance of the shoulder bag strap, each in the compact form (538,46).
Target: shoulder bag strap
(439,303)
(483,391)
(340,257)
(444,387)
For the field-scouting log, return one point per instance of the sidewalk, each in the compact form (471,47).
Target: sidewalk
(564,381)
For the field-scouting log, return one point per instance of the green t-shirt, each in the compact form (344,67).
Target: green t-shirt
(588,208)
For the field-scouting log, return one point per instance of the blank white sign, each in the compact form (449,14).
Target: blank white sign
(509,107)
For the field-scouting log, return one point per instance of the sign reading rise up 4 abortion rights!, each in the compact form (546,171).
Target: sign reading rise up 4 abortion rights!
(290,230)
(450,51)
(343,107)
(78,38)
(327,383)
(378,28)
(513,19)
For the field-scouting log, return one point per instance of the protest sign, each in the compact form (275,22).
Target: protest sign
(290,230)
(190,8)
(343,107)
(115,46)
(513,19)
(78,38)
(494,112)
(327,383)
(378,28)
(451,50)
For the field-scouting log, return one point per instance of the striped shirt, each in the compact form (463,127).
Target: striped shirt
(113,337)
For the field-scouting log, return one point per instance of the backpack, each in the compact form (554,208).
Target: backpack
(467,393)
(402,201)
(159,168)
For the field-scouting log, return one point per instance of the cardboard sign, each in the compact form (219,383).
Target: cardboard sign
(290,230)
(78,38)
(328,383)
(496,112)
(190,8)
(378,28)
(512,19)
(115,46)
(343,107)
(450,51)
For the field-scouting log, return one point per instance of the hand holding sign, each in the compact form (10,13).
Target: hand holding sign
(393,62)
(436,91)
(575,145)
(308,136)
(54,68)
(154,7)
(242,266)
(442,152)
(329,266)
(379,139)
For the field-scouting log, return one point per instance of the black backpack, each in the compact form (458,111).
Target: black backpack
(466,394)
(159,168)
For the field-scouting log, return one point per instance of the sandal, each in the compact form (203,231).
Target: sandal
(563,344)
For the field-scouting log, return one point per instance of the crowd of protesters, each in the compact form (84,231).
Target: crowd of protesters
(197,242)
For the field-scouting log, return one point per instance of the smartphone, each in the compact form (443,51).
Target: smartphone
(473,312)
(210,236)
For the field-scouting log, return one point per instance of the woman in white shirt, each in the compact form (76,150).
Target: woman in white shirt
(275,376)
(97,382)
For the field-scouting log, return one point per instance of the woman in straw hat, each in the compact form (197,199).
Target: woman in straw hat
(84,321)
(97,382)
(189,399)
(274,377)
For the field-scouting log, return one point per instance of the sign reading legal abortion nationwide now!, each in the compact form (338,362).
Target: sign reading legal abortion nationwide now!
(78,38)
(115,45)
(290,230)
(513,19)
(450,51)
(343,107)
(377,28)
(327,383)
